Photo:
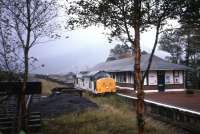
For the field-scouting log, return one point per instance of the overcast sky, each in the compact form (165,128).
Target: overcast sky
(84,48)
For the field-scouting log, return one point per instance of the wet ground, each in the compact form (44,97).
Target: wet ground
(58,104)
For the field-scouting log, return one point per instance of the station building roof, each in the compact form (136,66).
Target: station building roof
(127,65)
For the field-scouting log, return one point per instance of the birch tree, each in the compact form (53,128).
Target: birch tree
(9,62)
(30,22)
(125,19)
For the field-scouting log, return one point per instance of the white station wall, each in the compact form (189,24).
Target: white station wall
(169,79)
(152,78)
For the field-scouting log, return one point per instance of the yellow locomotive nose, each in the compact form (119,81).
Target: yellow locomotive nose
(105,85)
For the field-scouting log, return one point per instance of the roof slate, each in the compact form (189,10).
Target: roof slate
(127,64)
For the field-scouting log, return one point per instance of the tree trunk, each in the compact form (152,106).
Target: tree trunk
(187,55)
(153,50)
(137,70)
(23,111)
(22,99)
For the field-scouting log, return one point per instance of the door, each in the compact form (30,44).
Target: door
(161,80)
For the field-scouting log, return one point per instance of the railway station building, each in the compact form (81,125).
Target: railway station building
(162,76)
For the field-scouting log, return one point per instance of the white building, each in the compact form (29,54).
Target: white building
(163,75)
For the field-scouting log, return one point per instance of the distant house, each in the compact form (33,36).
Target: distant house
(163,75)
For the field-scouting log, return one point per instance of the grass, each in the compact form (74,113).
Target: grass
(114,116)
(47,86)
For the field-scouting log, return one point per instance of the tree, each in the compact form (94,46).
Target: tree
(30,21)
(176,43)
(120,49)
(173,42)
(190,25)
(125,19)
(119,52)
(183,48)
(9,58)
(184,43)
(9,62)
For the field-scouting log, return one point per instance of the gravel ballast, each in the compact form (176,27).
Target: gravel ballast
(58,104)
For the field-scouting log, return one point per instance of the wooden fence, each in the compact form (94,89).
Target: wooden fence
(9,106)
